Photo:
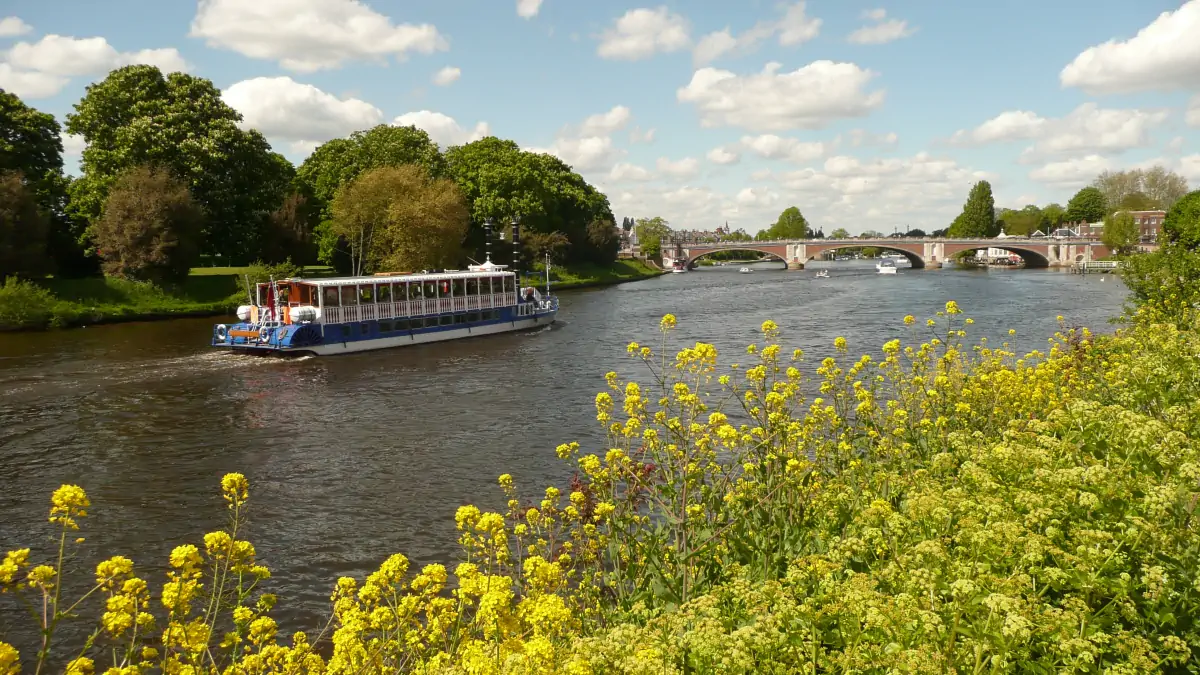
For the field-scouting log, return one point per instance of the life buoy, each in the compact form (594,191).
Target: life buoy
(222,332)
(262,334)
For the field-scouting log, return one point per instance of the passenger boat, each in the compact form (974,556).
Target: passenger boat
(353,314)
(886,266)
(745,270)
(678,267)
(823,274)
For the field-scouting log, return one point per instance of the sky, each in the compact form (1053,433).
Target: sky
(865,115)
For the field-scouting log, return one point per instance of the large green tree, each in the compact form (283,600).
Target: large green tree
(1120,233)
(179,122)
(1158,187)
(1020,223)
(978,217)
(399,218)
(23,228)
(1181,227)
(840,233)
(1087,206)
(790,225)
(31,145)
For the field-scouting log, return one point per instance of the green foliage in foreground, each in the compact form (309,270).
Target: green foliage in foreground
(938,508)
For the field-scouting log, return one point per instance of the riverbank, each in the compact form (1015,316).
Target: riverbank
(208,291)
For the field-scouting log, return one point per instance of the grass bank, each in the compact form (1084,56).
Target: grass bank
(208,291)
(587,275)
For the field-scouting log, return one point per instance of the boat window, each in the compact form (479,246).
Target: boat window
(349,296)
(431,321)
(385,326)
(366,293)
(430,290)
(414,291)
(383,293)
(285,292)
(472,286)
(401,324)
(364,329)
(473,317)
(460,318)
(510,284)
(331,296)
(345,332)
(458,288)
(446,319)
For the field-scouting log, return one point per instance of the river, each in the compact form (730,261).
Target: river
(352,458)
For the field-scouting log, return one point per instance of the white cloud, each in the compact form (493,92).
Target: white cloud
(722,155)
(605,123)
(30,84)
(1189,168)
(806,98)
(11,26)
(683,168)
(1086,130)
(882,32)
(310,35)
(73,145)
(584,154)
(1193,111)
(623,172)
(641,33)
(41,69)
(639,136)
(1175,144)
(770,146)
(69,56)
(527,9)
(794,27)
(302,114)
(447,76)
(1072,172)
(443,129)
(1164,55)
(756,196)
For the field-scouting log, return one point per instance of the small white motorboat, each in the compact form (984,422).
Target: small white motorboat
(745,270)
(823,274)
(886,266)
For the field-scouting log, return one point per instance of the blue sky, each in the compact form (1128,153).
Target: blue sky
(863,114)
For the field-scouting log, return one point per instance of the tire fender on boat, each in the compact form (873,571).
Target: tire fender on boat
(222,332)
(262,334)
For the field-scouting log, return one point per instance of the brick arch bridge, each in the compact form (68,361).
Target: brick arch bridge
(920,252)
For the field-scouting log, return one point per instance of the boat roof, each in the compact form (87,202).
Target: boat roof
(391,278)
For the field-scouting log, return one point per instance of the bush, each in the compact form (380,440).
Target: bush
(23,229)
(261,272)
(941,508)
(150,227)
(1182,224)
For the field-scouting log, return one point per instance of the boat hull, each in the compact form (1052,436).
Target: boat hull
(332,347)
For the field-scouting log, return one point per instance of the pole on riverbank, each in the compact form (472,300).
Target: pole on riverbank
(487,244)
(516,261)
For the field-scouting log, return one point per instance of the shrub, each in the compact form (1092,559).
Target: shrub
(150,227)
(24,304)
(939,508)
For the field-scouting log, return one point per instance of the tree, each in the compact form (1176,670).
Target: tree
(1019,223)
(1137,201)
(400,218)
(820,234)
(150,227)
(1161,188)
(839,233)
(1182,224)
(790,225)
(287,234)
(978,217)
(915,232)
(136,116)
(23,229)
(937,234)
(539,244)
(737,235)
(650,233)
(1052,218)
(1120,233)
(604,241)
(1087,206)
(871,234)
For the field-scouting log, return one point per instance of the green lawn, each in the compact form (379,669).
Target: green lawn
(580,275)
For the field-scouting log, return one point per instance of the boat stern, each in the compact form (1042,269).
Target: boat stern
(246,336)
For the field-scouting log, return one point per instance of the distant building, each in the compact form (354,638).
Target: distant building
(1149,225)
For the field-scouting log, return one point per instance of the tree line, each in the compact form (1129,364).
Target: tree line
(169,179)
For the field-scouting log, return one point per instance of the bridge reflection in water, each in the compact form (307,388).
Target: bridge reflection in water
(920,252)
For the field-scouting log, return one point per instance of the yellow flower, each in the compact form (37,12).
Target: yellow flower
(13,562)
(10,659)
(667,323)
(235,488)
(81,666)
(769,327)
(909,319)
(42,577)
(108,572)
(930,322)
(67,503)
(506,481)
(952,308)
(839,343)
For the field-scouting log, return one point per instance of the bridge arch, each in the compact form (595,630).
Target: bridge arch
(914,259)
(764,251)
(1032,258)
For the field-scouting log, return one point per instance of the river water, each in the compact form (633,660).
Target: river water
(352,458)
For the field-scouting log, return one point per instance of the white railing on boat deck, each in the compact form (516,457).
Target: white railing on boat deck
(407,308)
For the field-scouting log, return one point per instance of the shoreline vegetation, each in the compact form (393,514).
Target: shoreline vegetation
(69,303)
(937,505)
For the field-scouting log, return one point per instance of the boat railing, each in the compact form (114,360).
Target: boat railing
(417,307)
